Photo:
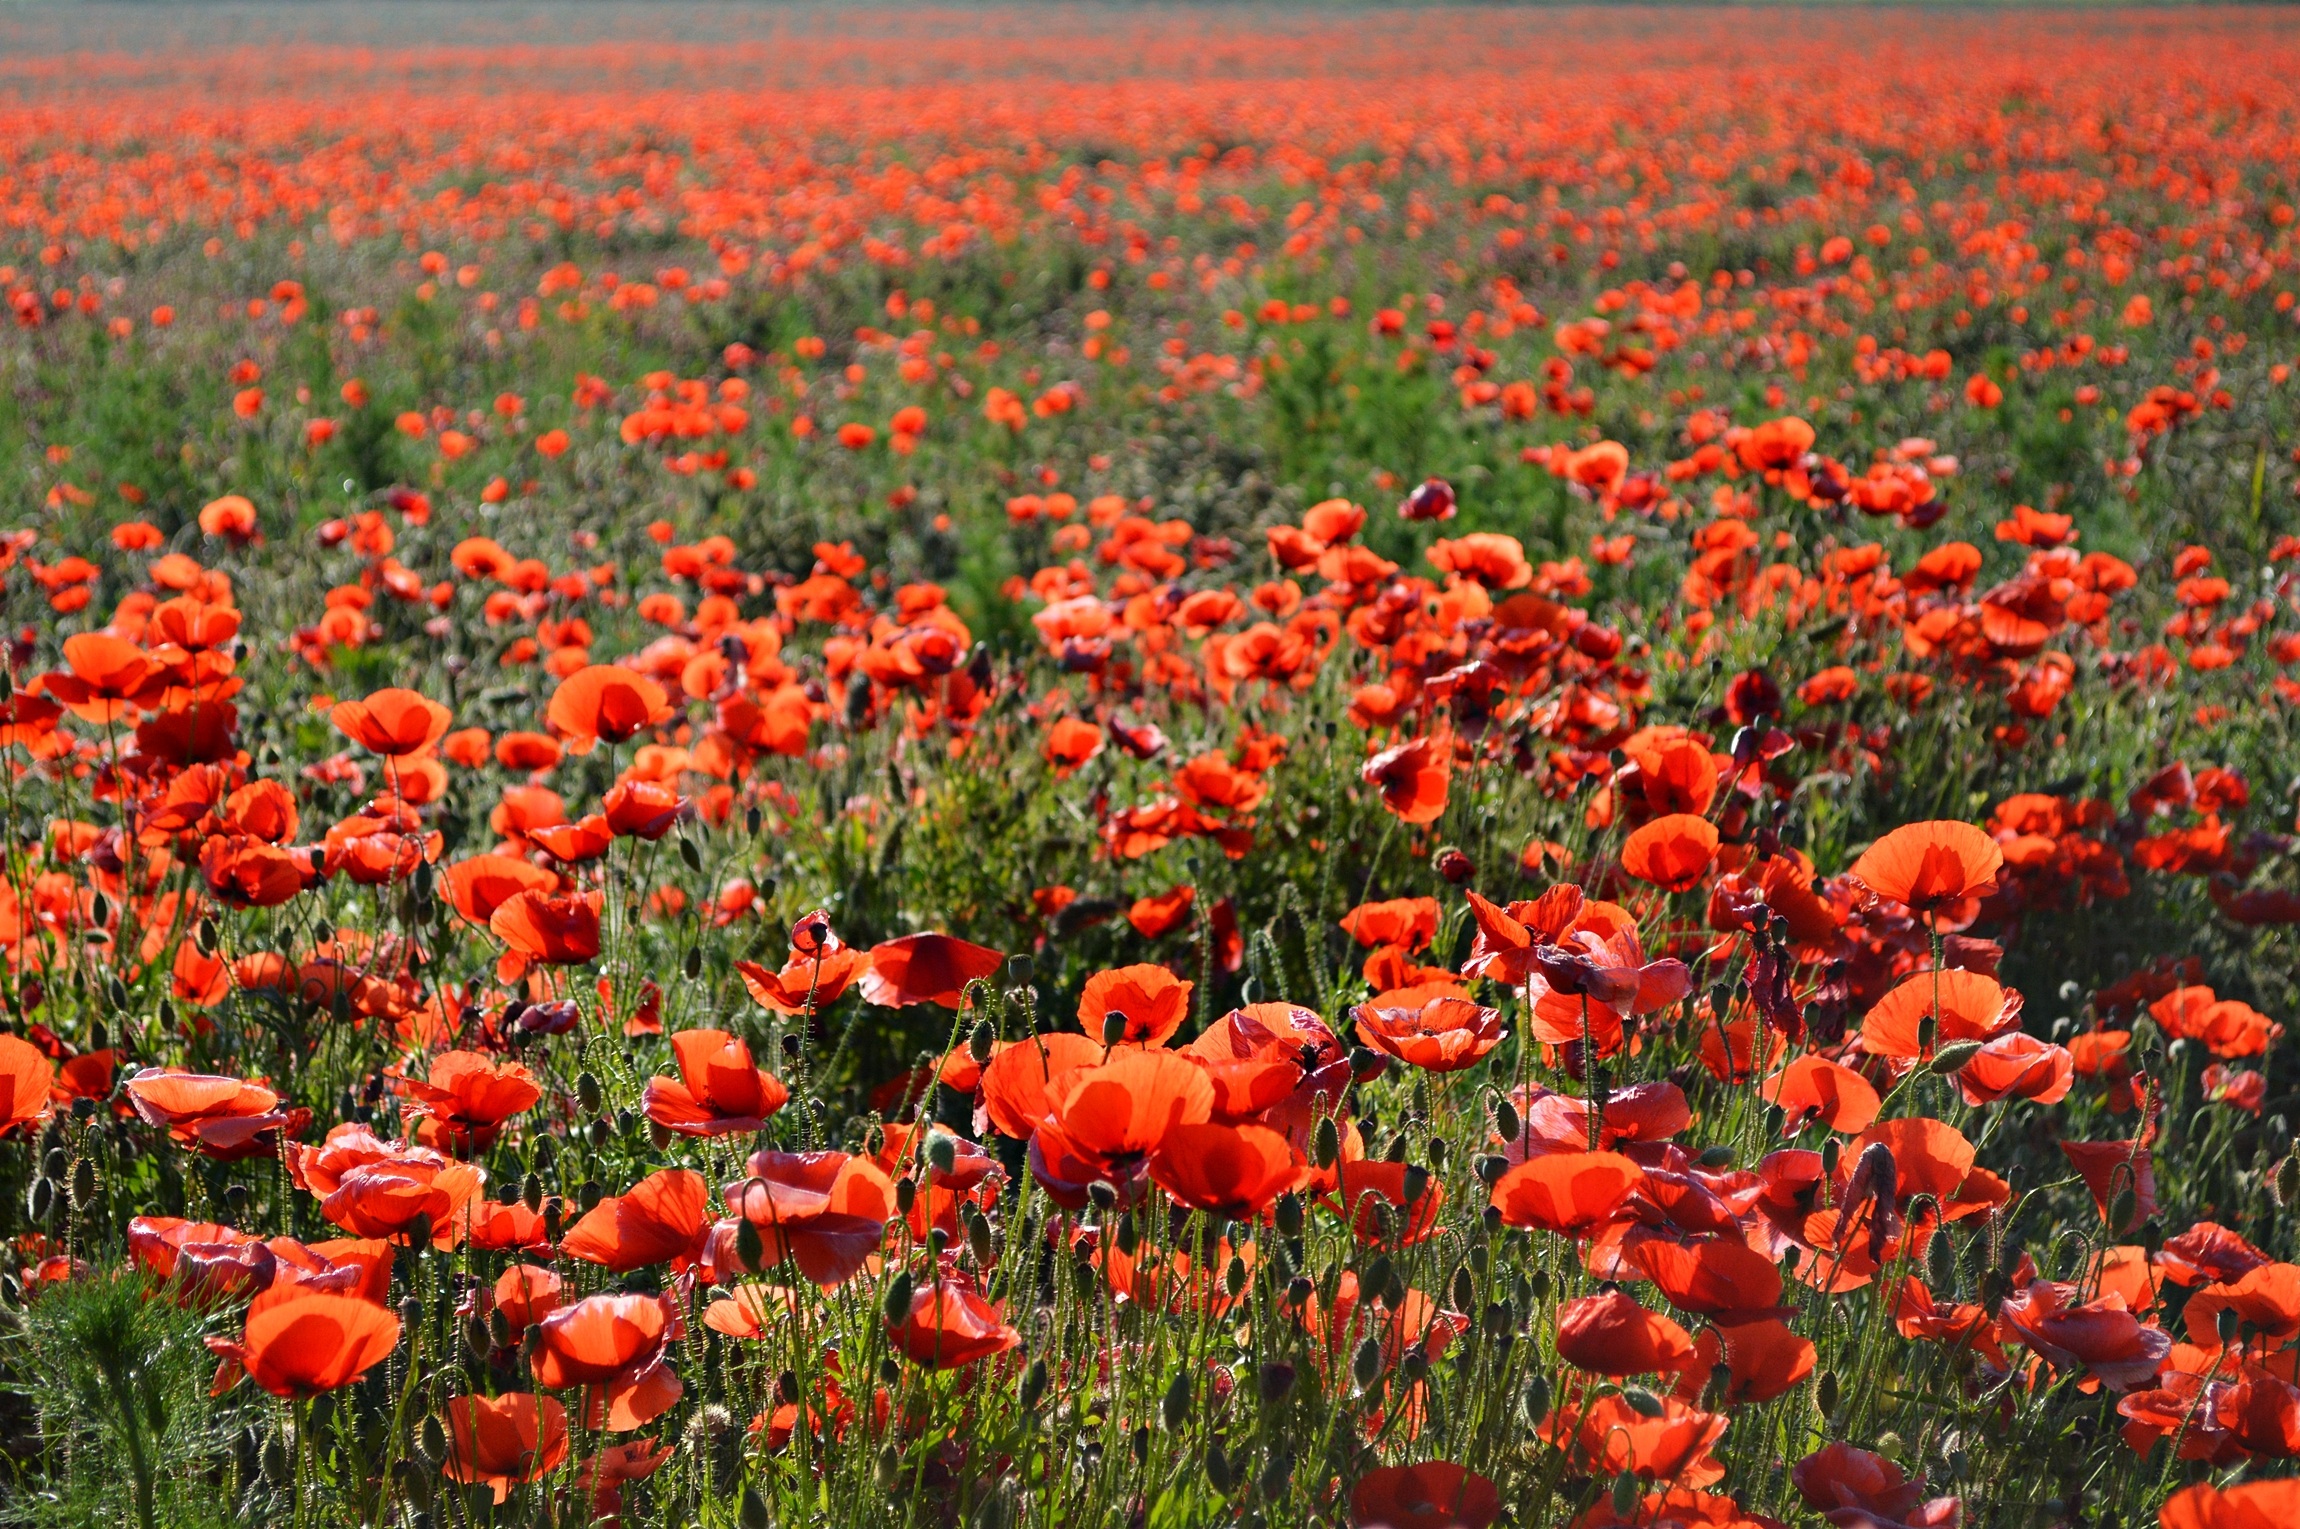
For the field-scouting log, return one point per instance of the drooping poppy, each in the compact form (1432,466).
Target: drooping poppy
(1931,868)
(660,1219)
(949,1327)
(1235,1171)
(393,722)
(718,1091)
(505,1441)
(1436,1494)
(605,703)
(615,1348)
(1151,1000)
(925,968)
(300,1342)
(1672,853)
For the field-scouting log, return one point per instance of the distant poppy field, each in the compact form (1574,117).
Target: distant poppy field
(1149,767)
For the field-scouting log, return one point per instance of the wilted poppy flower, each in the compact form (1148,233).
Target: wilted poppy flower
(614,1347)
(1672,853)
(26,1080)
(607,703)
(1815,1088)
(1151,1000)
(1440,1034)
(1566,1191)
(925,968)
(300,1342)
(1610,1334)
(1412,777)
(394,723)
(466,1098)
(823,1211)
(949,1327)
(505,1441)
(557,931)
(1931,868)
(660,1219)
(1235,1171)
(1436,1494)
(718,1091)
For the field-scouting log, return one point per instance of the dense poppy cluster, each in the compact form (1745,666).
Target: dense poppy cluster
(773,919)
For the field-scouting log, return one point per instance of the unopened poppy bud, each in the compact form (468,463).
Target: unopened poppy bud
(753,1513)
(2228,1324)
(1366,1366)
(1941,1260)
(1641,1401)
(1127,1238)
(897,1302)
(1325,1142)
(1174,1411)
(1831,1151)
(981,1042)
(658,1135)
(1277,1472)
(888,1470)
(1289,1215)
(1234,1277)
(1218,1470)
(588,1093)
(1274,1382)
(1033,1384)
(787,1387)
(83,1181)
(2123,1211)
(1825,1393)
(498,1329)
(1463,1288)
(1951,1059)
(1627,1487)
(2286,1182)
(1299,1290)
(1505,1121)
(941,1153)
(1716,1156)
(978,1240)
(1417,1183)
(1533,1401)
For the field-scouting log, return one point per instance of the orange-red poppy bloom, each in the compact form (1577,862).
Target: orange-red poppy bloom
(1154,916)
(949,1327)
(2101,1339)
(660,1219)
(1151,1000)
(1610,1334)
(719,1089)
(1931,868)
(394,723)
(557,931)
(615,1348)
(1842,1478)
(1236,1171)
(404,1199)
(106,678)
(1105,1121)
(1436,1494)
(824,979)
(505,1441)
(1672,853)
(224,1118)
(2251,1505)
(466,1098)
(823,1211)
(476,887)
(605,702)
(1566,1191)
(1412,777)
(1014,1084)
(1961,1006)
(302,1342)
(27,1079)
(1410,922)
(925,968)
(1815,1088)
(1441,1033)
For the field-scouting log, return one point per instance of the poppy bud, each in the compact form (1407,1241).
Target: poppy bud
(1127,1238)
(587,1092)
(1174,1411)
(419,1230)
(478,1332)
(1941,1261)
(1277,1472)
(2286,1182)
(1716,1156)
(1417,1183)
(980,1043)
(897,1301)
(811,936)
(1299,1290)
(1463,1289)
(1533,1401)
(41,1201)
(2123,1211)
(1113,1028)
(1454,867)
(751,820)
(1274,1382)
(552,1219)
(905,1194)
(1218,1470)
(888,1469)
(1366,1366)
(1234,1277)
(1825,1393)
(658,1135)
(1505,1121)
(753,1513)
(1641,1401)
(1627,1487)
(750,1245)
(1951,1059)
(1033,1384)
(978,1239)
(1325,1142)
(1831,1151)
(276,1467)
(2229,1325)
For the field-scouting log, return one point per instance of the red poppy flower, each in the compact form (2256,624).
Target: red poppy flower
(1610,1436)
(614,1347)
(608,703)
(1964,1006)
(824,979)
(300,1342)
(476,887)
(1154,916)
(660,1219)
(1566,1191)
(1436,1494)
(1236,1171)
(1840,1478)
(1721,1277)
(557,931)
(823,1211)
(1672,853)
(505,1441)
(1815,1088)
(1763,1360)
(2266,1301)
(950,1327)
(464,1102)
(1931,868)
(404,1198)
(394,723)
(222,1118)
(1152,1001)
(2252,1505)
(1412,777)
(525,1293)
(27,1079)
(1372,1198)
(1443,1033)
(643,809)
(2017,1066)
(246,872)
(925,968)
(1015,1083)
(1070,744)
(2102,1339)
(718,1090)
(1410,922)
(107,678)
(2109,1168)
(1105,1121)
(1610,1334)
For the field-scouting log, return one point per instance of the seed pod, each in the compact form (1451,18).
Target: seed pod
(1174,1411)
(897,1302)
